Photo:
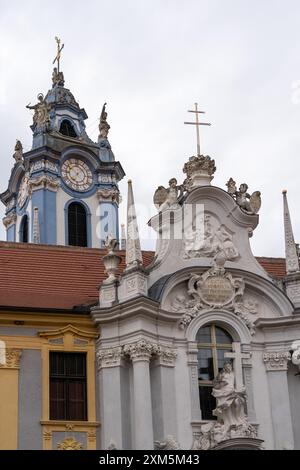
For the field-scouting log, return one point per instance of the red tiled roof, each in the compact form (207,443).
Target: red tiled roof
(58,277)
(274,266)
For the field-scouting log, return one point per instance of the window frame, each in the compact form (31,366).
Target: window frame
(65,379)
(86,235)
(214,346)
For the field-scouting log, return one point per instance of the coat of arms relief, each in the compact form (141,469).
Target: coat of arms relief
(215,289)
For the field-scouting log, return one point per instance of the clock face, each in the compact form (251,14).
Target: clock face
(23,191)
(76,174)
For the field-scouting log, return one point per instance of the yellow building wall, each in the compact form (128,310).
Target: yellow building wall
(9,384)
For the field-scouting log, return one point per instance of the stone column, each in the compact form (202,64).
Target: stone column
(140,354)
(163,394)
(276,366)
(114,398)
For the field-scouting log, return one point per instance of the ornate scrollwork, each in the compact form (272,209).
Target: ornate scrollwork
(69,443)
(214,289)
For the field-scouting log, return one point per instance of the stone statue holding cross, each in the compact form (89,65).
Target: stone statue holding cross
(230,402)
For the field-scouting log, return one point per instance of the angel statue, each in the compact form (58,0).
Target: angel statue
(41,117)
(168,198)
(103,126)
(230,402)
(248,203)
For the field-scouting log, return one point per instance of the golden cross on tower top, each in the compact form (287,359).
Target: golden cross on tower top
(59,49)
(197,124)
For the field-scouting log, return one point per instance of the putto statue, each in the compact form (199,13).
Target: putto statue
(248,203)
(111,244)
(168,198)
(57,78)
(41,118)
(103,126)
(18,154)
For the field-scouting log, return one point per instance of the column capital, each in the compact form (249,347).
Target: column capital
(142,350)
(12,359)
(276,360)
(109,357)
(165,356)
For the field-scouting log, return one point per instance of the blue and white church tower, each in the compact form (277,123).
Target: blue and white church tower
(64,191)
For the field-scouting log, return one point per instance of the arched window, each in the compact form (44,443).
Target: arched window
(24,229)
(77,224)
(213,343)
(66,128)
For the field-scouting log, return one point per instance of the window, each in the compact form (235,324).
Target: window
(68,393)
(66,128)
(213,343)
(24,229)
(77,225)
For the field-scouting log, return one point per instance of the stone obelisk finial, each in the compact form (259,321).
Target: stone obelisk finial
(291,255)
(133,247)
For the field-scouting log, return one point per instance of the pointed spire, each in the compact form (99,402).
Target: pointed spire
(291,254)
(123,237)
(133,247)
(36,226)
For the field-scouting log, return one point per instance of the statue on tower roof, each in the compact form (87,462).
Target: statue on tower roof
(41,118)
(57,78)
(103,126)
(57,75)
(18,154)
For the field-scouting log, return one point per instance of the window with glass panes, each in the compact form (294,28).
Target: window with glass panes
(77,225)
(213,343)
(68,395)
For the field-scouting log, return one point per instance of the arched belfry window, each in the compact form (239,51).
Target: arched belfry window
(24,228)
(67,128)
(77,225)
(213,343)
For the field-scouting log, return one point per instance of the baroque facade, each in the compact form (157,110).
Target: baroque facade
(195,346)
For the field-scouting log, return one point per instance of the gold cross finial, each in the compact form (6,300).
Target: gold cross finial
(59,49)
(197,124)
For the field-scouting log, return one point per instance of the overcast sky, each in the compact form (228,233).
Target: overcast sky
(151,60)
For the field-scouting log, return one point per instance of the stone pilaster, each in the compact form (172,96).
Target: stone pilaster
(276,363)
(140,353)
(163,393)
(114,397)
